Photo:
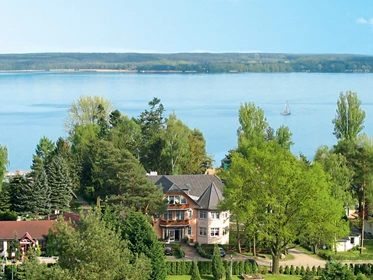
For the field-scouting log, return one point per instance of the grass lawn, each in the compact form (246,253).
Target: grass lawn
(235,277)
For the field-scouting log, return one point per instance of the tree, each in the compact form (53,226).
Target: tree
(336,165)
(120,176)
(16,186)
(253,126)
(152,131)
(40,202)
(14,247)
(283,193)
(88,110)
(217,264)
(3,162)
(84,254)
(336,270)
(176,143)
(59,183)
(195,272)
(5,203)
(142,239)
(197,160)
(283,137)
(42,154)
(349,118)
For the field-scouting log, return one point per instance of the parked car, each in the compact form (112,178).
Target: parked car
(222,252)
(168,251)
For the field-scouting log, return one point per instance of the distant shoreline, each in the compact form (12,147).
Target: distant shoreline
(99,71)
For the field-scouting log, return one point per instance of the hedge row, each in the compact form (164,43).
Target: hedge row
(365,268)
(205,267)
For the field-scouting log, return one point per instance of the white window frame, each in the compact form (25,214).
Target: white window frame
(189,230)
(215,216)
(180,215)
(190,213)
(214,232)
(203,215)
(202,231)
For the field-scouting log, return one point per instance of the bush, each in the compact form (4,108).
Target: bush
(182,252)
(292,270)
(287,270)
(281,269)
(297,270)
(302,271)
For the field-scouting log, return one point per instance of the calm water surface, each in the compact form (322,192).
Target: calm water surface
(35,104)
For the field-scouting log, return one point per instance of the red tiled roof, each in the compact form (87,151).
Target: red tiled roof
(37,229)
(67,217)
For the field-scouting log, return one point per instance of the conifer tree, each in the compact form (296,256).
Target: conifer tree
(195,272)
(40,202)
(143,240)
(217,264)
(42,154)
(59,183)
(5,197)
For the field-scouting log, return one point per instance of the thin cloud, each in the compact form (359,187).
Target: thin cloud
(365,21)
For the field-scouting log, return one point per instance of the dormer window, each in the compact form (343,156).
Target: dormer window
(176,199)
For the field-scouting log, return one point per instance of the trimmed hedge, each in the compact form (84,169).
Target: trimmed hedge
(205,267)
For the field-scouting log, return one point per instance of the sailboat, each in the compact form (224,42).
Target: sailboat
(286,111)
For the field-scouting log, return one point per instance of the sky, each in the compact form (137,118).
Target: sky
(172,26)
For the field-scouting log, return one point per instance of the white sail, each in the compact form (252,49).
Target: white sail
(286,110)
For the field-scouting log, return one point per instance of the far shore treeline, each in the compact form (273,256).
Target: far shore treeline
(189,62)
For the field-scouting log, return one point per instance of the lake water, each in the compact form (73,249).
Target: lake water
(34,105)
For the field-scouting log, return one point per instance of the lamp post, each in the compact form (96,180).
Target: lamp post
(231,264)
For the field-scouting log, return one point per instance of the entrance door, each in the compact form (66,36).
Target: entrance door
(177,235)
(172,235)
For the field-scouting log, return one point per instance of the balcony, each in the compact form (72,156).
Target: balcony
(174,223)
(177,206)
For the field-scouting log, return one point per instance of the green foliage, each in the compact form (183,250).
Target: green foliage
(281,269)
(308,276)
(141,238)
(297,271)
(292,270)
(335,270)
(302,271)
(195,272)
(217,264)
(42,154)
(182,252)
(8,215)
(5,198)
(287,270)
(81,251)
(349,117)
(51,247)
(3,162)
(59,183)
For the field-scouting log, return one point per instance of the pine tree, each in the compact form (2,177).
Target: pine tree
(143,240)
(195,272)
(5,197)
(16,186)
(59,183)
(41,193)
(217,264)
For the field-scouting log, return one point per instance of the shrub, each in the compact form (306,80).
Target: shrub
(314,272)
(241,266)
(292,270)
(235,268)
(287,270)
(195,272)
(308,276)
(302,271)
(248,268)
(182,252)
(297,270)
(356,269)
(319,271)
(281,269)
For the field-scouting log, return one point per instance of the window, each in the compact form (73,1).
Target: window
(215,215)
(214,231)
(202,231)
(167,215)
(179,215)
(176,199)
(225,230)
(189,230)
(352,240)
(183,200)
(203,215)
(190,213)
(224,214)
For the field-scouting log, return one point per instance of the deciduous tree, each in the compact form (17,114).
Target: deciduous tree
(349,118)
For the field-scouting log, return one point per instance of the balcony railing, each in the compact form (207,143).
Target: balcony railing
(174,222)
(178,206)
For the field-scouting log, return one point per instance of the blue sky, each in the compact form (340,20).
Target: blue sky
(169,26)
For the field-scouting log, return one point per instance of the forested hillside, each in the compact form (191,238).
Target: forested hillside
(189,62)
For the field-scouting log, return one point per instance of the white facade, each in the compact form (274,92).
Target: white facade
(212,227)
(347,243)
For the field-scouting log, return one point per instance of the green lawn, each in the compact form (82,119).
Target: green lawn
(206,277)
(355,254)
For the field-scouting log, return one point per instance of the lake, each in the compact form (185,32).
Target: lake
(35,104)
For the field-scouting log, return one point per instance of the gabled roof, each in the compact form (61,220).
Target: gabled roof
(210,198)
(27,236)
(194,185)
(36,229)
